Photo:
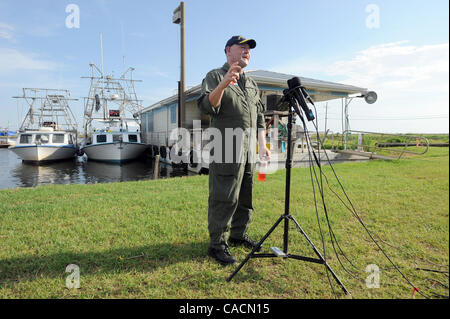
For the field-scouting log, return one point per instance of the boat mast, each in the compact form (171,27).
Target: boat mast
(53,106)
(103,77)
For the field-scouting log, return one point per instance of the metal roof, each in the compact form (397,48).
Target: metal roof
(269,80)
(275,78)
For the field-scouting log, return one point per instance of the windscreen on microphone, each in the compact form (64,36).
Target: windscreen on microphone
(296,90)
(294,82)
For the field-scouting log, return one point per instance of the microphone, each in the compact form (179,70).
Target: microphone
(298,91)
(306,95)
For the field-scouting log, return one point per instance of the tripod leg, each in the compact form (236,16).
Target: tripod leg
(319,255)
(255,248)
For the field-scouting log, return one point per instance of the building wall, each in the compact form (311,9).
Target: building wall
(158,123)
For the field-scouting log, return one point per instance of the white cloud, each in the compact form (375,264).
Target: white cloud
(12,60)
(6,31)
(411,82)
(397,66)
(43,31)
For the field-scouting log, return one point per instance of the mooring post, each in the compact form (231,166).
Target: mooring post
(156,168)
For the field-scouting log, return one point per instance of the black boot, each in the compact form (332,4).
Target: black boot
(246,241)
(223,256)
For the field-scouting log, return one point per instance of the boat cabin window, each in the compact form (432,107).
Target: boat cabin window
(101,138)
(42,139)
(117,138)
(25,139)
(58,138)
(132,138)
(70,139)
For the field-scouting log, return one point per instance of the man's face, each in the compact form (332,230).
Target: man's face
(237,52)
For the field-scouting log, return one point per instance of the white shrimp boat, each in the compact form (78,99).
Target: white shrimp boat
(48,132)
(111,122)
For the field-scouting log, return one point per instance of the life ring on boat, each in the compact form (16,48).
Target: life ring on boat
(163,151)
(149,152)
(155,150)
(79,152)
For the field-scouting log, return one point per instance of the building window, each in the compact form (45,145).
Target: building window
(101,138)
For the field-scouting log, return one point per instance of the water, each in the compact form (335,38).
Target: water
(14,173)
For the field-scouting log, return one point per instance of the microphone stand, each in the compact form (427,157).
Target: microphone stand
(287,217)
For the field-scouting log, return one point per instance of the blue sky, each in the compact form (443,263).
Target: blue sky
(404,58)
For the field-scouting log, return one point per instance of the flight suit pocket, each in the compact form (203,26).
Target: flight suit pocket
(224,169)
(224,182)
(252,92)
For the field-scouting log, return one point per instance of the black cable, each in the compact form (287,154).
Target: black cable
(315,204)
(332,235)
(332,232)
(432,270)
(353,211)
(320,186)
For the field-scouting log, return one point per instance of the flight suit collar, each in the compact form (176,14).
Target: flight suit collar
(226,67)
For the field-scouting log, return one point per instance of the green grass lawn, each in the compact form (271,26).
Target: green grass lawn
(149,239)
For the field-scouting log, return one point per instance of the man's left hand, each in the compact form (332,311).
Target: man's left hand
(264,153)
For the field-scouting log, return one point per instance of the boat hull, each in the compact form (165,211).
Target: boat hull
(39,153)
(114,152)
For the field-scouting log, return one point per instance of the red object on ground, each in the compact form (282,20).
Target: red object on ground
(261,177)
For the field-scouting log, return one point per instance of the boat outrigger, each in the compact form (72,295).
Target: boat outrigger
(111,121)
(49,130)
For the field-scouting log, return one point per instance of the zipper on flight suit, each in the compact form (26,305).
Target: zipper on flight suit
(241,84)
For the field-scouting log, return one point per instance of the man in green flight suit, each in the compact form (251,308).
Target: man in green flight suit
(232,101)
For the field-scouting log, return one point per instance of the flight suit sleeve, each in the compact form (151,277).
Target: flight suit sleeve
(209,83)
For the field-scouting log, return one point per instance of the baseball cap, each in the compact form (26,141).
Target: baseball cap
(237,39)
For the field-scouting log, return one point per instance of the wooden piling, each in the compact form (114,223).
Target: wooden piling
(156,168)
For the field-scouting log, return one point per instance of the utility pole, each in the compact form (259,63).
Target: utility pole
(178,18)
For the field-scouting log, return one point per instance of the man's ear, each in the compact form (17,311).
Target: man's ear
(227,50)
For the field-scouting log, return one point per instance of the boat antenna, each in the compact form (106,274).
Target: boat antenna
(103,75)
(123,44)
(101,51)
